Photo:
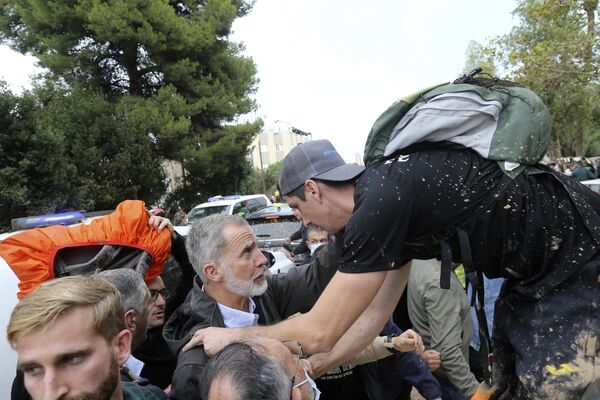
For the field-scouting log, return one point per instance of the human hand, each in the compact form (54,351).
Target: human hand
(307,366)
(409,340)
(432,359)
(213,339)
(160,223)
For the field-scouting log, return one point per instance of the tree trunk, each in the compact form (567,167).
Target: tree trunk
(130,61)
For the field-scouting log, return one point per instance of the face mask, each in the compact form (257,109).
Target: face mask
(314,247)
(313,385)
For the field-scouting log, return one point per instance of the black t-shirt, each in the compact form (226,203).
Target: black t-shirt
(342,383)
(529,229)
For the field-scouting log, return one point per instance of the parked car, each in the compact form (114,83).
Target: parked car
(230,205)
(9,287)
(593,184)
(272,225)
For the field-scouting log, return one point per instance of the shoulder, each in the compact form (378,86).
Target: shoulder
(132,391)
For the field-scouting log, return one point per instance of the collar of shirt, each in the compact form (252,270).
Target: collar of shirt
(134,365)
(234,318)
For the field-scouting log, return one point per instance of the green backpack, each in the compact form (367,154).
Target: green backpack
(500,120)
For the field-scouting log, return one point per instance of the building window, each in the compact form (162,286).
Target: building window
(277,146)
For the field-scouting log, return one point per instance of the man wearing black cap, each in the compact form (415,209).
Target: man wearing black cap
(539,231)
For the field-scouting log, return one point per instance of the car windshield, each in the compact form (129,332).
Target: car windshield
(198,213)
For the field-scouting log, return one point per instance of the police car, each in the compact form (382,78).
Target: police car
(593,184)
(230,205)
(9,287)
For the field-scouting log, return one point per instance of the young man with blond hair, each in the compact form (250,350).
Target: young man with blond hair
(71,338)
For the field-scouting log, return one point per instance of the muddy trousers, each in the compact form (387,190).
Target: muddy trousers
(549,348)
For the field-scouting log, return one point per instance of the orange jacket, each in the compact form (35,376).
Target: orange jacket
(30,254)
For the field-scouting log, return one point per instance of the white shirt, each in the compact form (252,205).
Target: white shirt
(134,365)
(234,318)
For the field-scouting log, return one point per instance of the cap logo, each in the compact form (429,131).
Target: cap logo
(329,152)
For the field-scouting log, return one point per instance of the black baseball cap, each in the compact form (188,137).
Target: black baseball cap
(317,159)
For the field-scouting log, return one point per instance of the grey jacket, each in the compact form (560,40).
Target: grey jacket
(443,319)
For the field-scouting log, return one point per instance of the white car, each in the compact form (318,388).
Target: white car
(9,288)
(230,205)
(593,184)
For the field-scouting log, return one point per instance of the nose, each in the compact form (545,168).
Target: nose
(305,221)
(54,387)
(260,259)
(160,300)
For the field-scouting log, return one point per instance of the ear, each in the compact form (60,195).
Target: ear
(213,272)
(122,343)
(130,319)
(311,189)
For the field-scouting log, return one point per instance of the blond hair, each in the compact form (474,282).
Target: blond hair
(53,299)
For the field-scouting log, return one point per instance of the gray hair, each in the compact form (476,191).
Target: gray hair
(251,375)
(314,228)
(130,285)
(205,240)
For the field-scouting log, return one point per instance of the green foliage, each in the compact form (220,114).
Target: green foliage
(479,56)
(128,85)
(262,181)
(554,51)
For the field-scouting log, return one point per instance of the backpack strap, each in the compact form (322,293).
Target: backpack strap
(446,268)
(475,279)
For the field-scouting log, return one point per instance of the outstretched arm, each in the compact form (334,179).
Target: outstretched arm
(368,326)
(343,301)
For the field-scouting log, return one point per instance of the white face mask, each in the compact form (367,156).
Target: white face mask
(314,247)
(313,385)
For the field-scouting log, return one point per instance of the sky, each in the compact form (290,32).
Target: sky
(332,67)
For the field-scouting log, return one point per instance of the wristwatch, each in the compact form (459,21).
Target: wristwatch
(387,343)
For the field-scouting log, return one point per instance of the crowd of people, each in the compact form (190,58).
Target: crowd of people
(582,169)
(375,312)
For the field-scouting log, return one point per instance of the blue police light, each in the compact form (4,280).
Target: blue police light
(47,220)
(219,197)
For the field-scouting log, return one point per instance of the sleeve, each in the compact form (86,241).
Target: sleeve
(375,234)
(298,290)
(416,372)
(375,351)
(185,384)
(443,311)
(186,282)
(298,234)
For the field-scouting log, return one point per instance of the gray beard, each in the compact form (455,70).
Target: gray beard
(243,288)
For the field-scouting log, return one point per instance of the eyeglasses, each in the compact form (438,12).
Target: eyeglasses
(297,350)
(163,292)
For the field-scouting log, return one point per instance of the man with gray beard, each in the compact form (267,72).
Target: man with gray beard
(233,289)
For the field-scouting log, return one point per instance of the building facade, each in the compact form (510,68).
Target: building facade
(274,142)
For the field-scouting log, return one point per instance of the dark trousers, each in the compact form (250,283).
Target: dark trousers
(449,390)
(549,348)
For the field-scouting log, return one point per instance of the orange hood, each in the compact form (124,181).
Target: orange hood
(30,254)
